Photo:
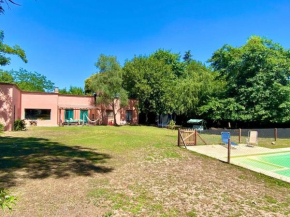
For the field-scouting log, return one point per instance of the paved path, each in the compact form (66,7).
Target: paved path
(221,152)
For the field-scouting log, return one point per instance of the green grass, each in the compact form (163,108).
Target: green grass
(133,170)
(62,151)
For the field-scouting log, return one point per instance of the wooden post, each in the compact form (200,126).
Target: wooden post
(178,137)
(229,151)
(240,134)
(195,137)
(275,134)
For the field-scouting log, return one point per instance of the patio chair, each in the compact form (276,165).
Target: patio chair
(252,139)
(225,139)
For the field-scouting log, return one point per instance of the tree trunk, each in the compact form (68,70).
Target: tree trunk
(229,124)
(146,117)
(102,115)
(114,114)
(115,121)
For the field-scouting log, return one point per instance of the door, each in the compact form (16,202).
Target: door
(69,114)
(128,116)
(84,115)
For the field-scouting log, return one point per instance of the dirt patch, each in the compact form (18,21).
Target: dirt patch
(153,179)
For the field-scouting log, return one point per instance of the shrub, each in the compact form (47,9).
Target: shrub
(172,124)
(1,127)
(19,125)
(6,200)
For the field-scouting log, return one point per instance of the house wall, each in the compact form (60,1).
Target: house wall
(13,103)
(75,102)
(16,101)
(32,100)
(103,113)
(10,105)
(132,106)
(67,100)
(97,115)
(6,106)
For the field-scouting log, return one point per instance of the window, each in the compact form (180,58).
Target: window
(110,114)
(34,114)
(69,114)
(128,115)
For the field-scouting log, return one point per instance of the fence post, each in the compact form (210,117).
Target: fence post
(195,137)
(240,134)
(229,150)
(275,134)
(178,137)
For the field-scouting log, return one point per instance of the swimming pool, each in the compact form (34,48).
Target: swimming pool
(278,163)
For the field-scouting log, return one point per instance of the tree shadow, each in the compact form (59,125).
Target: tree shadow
(38,158)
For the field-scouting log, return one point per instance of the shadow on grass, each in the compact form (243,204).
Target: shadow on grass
(38,158)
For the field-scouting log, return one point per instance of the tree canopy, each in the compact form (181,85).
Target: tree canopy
(187,57)
(27,81)
(107,83)
(5,49)
(195,88)
(164,84)
(149,80)
(246,84)
(6,77)
(73,90)
(257,87)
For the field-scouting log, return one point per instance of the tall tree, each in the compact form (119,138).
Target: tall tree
(73,91)
(195,88)
(6,77)
(150,80)
(187,58)
(170,59)
(5,49)
(164,85)
(257,88)
(88,85)
(108,83)
(31,81)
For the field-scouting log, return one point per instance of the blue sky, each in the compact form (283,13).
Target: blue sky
(63,38)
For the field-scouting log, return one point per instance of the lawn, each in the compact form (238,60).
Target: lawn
(127,171)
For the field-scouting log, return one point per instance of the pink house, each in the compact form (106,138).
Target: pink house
(54,109)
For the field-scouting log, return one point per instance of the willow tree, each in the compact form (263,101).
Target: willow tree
(195,88)
(107,83)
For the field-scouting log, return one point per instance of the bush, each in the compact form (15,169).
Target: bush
(19,125)
(1,127)
(6,200)
(171,125)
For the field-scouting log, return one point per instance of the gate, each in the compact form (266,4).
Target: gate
(188,137)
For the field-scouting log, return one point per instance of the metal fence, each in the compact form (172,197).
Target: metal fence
(282,133)
(267,153)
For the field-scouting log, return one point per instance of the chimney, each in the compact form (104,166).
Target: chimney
(95,97)
(56,90)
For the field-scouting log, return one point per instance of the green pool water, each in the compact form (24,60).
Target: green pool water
(278,163)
